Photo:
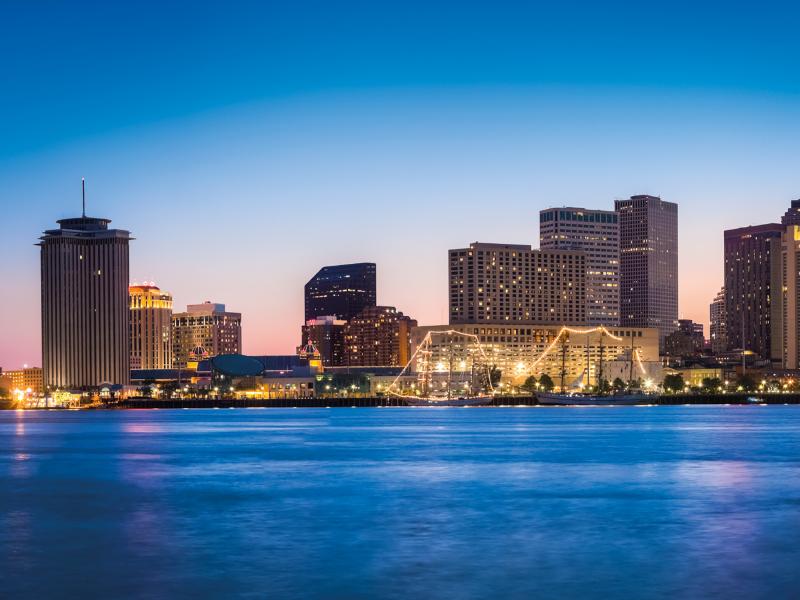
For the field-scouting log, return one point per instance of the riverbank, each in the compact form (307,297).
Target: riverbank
(384,402)
(658,400)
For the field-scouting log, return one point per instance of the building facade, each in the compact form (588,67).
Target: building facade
(151,327)
(717,335)
(378,336)
(752,265)
(686,341)
(341,291)
(326,334)
(596,233)
(204,331)
(84,278)
(507,284)
(786,327)
(648,230)
(582,354)
(792,215)
(22,380)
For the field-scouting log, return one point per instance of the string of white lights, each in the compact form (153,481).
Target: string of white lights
(426,342)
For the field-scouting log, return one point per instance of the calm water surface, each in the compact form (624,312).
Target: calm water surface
(401,503)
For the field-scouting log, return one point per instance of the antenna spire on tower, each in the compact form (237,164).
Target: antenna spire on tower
(83,195)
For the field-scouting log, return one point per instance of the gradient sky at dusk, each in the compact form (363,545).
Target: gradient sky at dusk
(247,145)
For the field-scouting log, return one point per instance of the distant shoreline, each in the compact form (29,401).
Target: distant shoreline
(742,399)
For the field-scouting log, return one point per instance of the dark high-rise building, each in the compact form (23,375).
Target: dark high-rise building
(340,291)
(752,263)
(792,215)
(648,263)
(85,336)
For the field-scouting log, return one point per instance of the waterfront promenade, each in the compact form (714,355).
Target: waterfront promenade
(498,401)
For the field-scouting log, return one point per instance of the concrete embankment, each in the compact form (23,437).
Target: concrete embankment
(662,400)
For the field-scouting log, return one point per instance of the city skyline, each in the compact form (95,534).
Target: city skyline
(361,153)
(288,345)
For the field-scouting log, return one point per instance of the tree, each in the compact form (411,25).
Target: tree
(546,383)
(711,383)
(604,386)
(674,382)
(618,384)
(170,388)
(530,384)
(145,391)
(494,375)
(747,383)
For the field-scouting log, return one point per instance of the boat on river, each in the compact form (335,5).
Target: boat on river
(444,401)
(551,399)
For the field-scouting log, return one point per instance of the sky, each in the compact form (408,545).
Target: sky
(245,145)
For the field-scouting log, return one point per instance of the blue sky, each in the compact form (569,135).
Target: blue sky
(247,144)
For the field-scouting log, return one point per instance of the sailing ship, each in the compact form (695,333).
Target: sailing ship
(450,393)
(600,398)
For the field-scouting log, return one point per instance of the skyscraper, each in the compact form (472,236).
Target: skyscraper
(84,268)
(340,291)
(204,331)
(648,230)
(595,232)
(508,283)
(786,324)
(151,327)
(792,215)
(752,262)
(717,333)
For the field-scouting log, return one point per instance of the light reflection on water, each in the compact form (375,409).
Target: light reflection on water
(628,502)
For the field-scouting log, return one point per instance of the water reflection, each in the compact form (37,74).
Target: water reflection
(639,502)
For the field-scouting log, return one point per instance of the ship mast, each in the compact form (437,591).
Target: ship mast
(450,365)
(588,364)
(600,370)
(630,374)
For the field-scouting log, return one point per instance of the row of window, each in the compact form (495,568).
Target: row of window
(572,215)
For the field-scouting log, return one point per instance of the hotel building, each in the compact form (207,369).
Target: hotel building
(786,327)
(648,232)
(84,274)
(378,336)
(752,282)
(596,233)
(204,331)
(150,327)
(514,284)
(27,378)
